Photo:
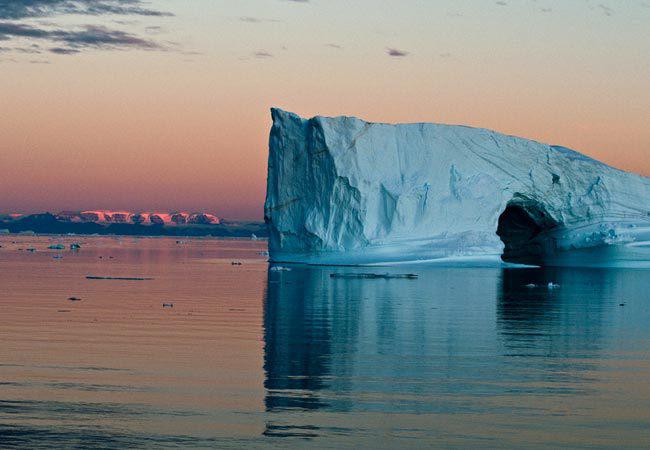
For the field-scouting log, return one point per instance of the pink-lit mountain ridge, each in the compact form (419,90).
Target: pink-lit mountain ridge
(106,217)
(139,218)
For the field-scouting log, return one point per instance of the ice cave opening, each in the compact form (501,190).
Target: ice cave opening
(523,229)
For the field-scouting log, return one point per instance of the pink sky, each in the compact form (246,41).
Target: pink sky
(184,126)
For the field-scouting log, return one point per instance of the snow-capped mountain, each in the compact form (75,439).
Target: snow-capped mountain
(143,218)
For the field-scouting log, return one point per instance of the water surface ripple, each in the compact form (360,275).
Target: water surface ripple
(248,357)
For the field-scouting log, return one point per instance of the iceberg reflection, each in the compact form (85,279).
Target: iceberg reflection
(483,343)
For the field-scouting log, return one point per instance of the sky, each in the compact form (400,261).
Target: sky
(164,104)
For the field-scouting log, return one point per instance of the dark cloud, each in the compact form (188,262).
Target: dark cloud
(15,24)
(64,51)
(250,19)
(262,54)
(395,52)
(88,36)
(21,9)
(606,10)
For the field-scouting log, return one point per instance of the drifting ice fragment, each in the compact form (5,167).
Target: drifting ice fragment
(119,278)
(373,276)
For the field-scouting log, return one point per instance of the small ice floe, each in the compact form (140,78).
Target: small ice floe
(118,278)
(552,285)
(280,269)
(263,253)
(57,257)
(530,286)
(57,247)
(254,237)
(168,305)
(75,246)
(374,276)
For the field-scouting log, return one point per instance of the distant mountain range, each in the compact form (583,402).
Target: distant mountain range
(138,218)
(130,223)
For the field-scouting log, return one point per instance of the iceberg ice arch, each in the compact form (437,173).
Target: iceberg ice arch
(344,191)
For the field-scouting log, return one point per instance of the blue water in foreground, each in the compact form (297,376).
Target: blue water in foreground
(458,358)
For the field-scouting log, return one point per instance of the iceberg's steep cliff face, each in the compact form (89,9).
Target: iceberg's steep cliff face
(344,191)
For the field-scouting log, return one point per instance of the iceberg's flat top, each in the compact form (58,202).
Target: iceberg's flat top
(345,191)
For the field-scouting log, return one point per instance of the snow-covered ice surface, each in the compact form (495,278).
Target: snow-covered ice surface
(344,191)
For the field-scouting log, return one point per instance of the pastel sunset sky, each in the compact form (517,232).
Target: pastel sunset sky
(164,104)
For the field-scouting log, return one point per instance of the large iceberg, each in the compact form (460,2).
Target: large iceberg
(345,191)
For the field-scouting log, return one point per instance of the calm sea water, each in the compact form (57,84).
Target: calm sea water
(459,358)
